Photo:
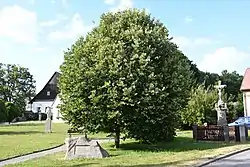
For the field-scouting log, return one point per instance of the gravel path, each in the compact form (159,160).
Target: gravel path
(39,154)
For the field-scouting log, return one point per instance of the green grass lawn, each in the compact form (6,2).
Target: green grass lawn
(24,138)
(181,152)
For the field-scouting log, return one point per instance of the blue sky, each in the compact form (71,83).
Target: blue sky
(34,33)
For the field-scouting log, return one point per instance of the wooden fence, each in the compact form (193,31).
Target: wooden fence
(216,133)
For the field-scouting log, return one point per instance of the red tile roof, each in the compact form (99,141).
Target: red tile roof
(245,85)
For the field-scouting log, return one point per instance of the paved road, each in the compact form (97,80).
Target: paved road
(238,160)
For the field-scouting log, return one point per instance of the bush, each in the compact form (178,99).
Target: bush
(44,116)
(31,116)
(11,112)
(200,107)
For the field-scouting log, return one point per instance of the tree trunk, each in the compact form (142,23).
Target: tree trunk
(117,139)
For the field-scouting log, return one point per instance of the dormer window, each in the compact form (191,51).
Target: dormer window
(48,93)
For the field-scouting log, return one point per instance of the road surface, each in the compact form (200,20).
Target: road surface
(237,160)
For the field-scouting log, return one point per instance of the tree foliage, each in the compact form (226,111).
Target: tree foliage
(2,110)
(236,108)
(125,76)
(233,81)
(16,84)
(11,111)
(200,107)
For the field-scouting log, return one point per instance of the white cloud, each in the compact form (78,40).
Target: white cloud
(49,23)
(64,3)
(122,4)
(228,58)
(147,10)
(188,19)
(61,16)
(109,2)
(40,49)
(18,24)
(181,41)
(74,29)
(53,1)
(184,42)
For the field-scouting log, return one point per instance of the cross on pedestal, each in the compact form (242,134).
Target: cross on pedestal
(221,107)
(219,87)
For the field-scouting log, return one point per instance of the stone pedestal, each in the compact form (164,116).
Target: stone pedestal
(242,133)
(40,116)
(226,133)
(48,125)
(81,147)
(221,116)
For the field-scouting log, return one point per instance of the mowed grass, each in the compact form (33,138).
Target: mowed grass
(183,151)
(19,139)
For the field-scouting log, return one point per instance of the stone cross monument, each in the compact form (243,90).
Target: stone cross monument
(221,107)
(48,123)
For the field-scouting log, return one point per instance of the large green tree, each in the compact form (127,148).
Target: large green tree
(17,85)
(126,76)
(200,107)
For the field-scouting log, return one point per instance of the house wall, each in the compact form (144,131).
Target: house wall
(246,103)
(42,104)
(57,116)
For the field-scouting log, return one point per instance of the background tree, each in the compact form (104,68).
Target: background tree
(16,85)
(236,108)
(209,79)
(2,111)
(11,111)
(233,81)
(200,107)
(126,76)
(239,107)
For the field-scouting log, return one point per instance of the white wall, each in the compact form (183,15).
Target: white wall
(42,104)
(246,103)
(57,116)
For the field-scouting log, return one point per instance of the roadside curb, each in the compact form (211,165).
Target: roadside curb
(37,151)
(221,157)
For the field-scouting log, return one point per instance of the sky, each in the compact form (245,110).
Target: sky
(34,33)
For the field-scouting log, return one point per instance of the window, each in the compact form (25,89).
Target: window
(48,93)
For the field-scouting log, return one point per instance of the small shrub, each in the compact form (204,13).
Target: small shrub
(11,112)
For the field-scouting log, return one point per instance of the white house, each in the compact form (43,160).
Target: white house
(57,116)
(245,88)
(48,97)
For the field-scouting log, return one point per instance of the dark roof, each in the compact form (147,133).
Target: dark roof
(49,91)
(245,85)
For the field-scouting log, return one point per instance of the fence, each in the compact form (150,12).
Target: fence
(210,132)
(217,133)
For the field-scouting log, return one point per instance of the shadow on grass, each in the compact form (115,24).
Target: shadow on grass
(179,144)
(19,133)
(76,165)
(21,124)
(173,163)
